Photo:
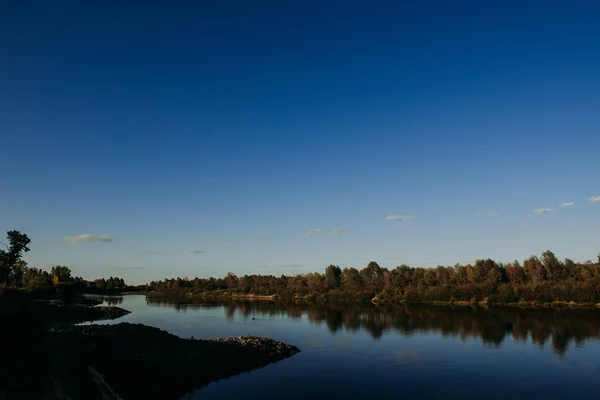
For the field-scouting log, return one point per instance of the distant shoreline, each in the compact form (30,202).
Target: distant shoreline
(298,299)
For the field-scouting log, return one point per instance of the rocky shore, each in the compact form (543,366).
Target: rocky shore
(139,361)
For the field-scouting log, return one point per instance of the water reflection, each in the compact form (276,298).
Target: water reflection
(492,326)
(110,300)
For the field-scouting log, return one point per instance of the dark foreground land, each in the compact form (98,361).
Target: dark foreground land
(47,357)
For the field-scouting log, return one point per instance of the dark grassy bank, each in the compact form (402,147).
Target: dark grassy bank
(47,357)
(27,367)
(139,361)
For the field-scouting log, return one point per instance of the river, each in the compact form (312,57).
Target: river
(408,352)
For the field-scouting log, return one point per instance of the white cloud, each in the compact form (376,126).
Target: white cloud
(543,210)
(314,231)
(395,217)
(594,199)
(479,213)
(89,238)
(339,231)
(193,251)
(568,204)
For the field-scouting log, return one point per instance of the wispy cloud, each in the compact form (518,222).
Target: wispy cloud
(395,217)
(568,204)
(314,231)
(89,238)
(291,266)
(594,199)
(479,213)
(125,268)
(339,231)
(543,210)
(193,251)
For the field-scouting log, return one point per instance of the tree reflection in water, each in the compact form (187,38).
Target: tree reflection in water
(491,326)
(108,300)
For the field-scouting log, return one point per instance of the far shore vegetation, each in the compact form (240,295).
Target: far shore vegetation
(544,280)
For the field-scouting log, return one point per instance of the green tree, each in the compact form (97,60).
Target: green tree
(400,277)
(333,277)
(372,276)
(553,267)
(37,280)
(17,245)
(61,279)
(351,279)
(61,273)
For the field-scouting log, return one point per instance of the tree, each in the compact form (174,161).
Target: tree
(16,275)
(401,277)
(231,280)
(443,275)
(17,245)
(61,279)
(570,269)
(553,267)
(333,277)
(351,279)
(61,273)
(430,277)
(515,274)
(372,276)
(534,269)
(36,280)
(315,281)
(460,275)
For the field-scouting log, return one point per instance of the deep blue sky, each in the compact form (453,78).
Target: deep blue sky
(236,127)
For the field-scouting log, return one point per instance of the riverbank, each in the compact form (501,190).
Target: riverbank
(139,361)
(486,303)
(360,299)
(122,361)
(221,294)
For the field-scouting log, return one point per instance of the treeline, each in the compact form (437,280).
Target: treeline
(59,280)
(14,273)
(543,279)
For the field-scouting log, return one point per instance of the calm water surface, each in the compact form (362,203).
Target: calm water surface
(423,352)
